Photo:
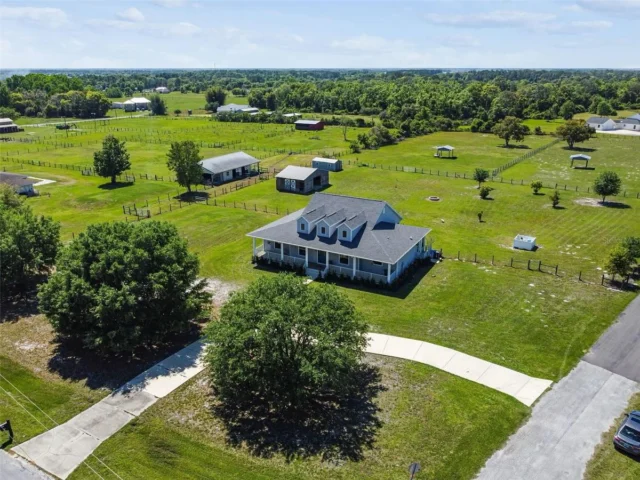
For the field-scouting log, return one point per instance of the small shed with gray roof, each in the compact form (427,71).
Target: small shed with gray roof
(229,167)
(22,184)
(331,164)
(302,179)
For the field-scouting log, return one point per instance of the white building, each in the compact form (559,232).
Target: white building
(162,90)
(629,124)
(601,123)
(232,108)
(136,103)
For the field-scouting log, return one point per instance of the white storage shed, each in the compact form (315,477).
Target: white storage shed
(330,164)
(524,242)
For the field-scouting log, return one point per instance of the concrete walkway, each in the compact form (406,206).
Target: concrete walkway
(518,385)
(61,450)
(567,424)
(15,468)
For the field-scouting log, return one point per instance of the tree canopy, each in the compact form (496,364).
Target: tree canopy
(511,128)
(480,175)
(157,105)
(28,244)
(113,159)
(606,184)
(182,159)
(575,131)
(119,286)
(285,343)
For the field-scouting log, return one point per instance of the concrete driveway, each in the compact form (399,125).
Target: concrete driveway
(567,423)
(14,468)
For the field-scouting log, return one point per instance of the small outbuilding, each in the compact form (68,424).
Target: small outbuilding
(601,123)
(229,167)
(162,90)
(22,184)
(309,124)
(524,242)
(232,108)
(7,126)
(330,164)
(137,103)
(580,157)
(440,149)
(301,179)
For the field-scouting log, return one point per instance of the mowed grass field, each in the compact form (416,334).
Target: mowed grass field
(608,152)
(529,321)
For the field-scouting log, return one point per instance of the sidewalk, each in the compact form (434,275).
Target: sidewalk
(62,449)
(518,385)
(14,468)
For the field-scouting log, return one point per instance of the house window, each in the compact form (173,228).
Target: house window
(344,260)
(377,263)
(323,231)
(344,234)
(302,251)
(302,226)
(277,245)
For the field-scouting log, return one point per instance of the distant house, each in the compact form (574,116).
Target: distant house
(229,167)
(162,90)
(250,110)
(309,124)
(137,103)
(347,236)
(7,126)
(232,108)
(301,179)
(20,183)
(635,116)
(330,164)
(292,115)
(628,124)
(601,123)
(118,105)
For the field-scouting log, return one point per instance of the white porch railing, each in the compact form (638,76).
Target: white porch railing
(348,272)
(276,257)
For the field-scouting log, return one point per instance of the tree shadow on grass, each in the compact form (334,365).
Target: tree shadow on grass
(558,207)
(337,426)
(191,197)
(72,361)
(578,149)
(23,303)
(515,147)
(610,204)
(114,186)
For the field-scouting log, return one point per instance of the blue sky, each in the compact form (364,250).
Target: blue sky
(319,34)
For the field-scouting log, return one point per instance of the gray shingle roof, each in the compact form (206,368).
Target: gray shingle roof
(15,180)
(597,120)
(296,173)
(383,242)
(308,122)
(325,160)
(315,214)
(226,162)
(336,217)
(631,121)
(356,220)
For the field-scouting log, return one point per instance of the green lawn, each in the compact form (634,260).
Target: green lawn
(609,464)
(608,152)
(446,423)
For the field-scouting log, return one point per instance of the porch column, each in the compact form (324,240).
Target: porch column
(326,266)
(306,257)
(282,252)
(254,246)
(388,273)
(355,260)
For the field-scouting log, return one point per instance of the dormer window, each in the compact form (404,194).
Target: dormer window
(344,234)
(302,226)
(323,230)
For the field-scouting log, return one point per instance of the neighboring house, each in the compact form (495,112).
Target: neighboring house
(309,124)
(330,164)
(162,90)
(232,108)
(629,124)
(635,117)
(601,123)
(301,179)
(292,115)
(229,167)
(7,126)
(118,105)
(250,110)
(20,183)
(137,103)
(347,236)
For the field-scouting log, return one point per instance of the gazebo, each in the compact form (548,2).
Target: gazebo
(580,156)
(444,148)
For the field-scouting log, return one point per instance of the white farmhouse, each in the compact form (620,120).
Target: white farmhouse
(601,123)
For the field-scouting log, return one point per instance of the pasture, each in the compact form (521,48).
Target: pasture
(528,320)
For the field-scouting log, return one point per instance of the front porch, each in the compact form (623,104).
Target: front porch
(319,263)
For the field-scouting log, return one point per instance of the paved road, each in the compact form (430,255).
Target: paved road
(567,423)
(618,350)
(14,468)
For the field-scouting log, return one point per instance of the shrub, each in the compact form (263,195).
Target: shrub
(485,191)
(536,186)
(121,285)
(555,198)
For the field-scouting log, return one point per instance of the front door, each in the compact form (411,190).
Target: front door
(322,257)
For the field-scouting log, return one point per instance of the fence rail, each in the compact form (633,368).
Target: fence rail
(521,158)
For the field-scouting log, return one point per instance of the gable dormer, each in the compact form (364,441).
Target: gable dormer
(389,215)
(308,221)
(328,225)
(349,229)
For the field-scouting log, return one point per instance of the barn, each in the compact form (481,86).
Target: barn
(137,103)
(232,166)
(309,125)
(301,179)
(330,164)
(7,126)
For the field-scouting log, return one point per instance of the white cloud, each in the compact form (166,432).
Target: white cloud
(621,7)
(131,14)
(592,24)
(170,3)
(49,17)
(184,29)
(495,19)
(574,7)
(370,43)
